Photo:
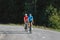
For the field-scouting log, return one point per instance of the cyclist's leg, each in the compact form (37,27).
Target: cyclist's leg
(30,27)
(25,26)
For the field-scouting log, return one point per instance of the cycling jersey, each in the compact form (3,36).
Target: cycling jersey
(30,18)
(25,18)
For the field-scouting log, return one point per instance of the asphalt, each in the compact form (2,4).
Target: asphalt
(13,32)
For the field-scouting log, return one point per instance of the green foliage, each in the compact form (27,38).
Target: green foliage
(54,20)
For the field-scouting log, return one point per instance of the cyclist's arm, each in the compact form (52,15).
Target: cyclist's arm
(24,19)
(32,20)
(28,19)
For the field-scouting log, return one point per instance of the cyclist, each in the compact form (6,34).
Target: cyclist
(26,21)
(30,19)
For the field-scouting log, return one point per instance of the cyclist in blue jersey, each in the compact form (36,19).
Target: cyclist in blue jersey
(30,19)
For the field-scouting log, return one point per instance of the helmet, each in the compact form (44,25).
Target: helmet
(30,14)
(25,14)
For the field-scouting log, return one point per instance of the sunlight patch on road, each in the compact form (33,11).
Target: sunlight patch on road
(43,37)
(2,36)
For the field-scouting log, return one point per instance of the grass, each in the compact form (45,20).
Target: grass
(45,28)
(12,24)
(41,27)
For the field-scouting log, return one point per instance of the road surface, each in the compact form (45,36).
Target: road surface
(10,32)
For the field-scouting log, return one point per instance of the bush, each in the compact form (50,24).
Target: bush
(53,17)
(54,21)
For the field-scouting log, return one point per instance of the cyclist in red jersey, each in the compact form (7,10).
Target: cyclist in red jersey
(26,21)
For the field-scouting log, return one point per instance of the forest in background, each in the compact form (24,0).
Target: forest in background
(45,12)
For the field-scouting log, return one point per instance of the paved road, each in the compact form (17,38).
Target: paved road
(8,32)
